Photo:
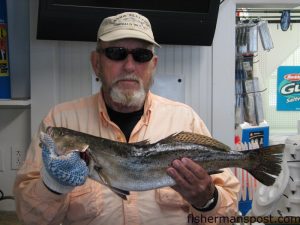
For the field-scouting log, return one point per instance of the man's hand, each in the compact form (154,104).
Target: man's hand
(192,182)
(61,173)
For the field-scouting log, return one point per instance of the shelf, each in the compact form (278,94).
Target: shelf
(11,103)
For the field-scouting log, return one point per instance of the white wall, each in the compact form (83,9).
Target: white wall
(193,65)
(223,74)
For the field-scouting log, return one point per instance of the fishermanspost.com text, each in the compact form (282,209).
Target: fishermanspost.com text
(243,219)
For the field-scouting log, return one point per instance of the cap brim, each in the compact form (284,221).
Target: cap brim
(120,34)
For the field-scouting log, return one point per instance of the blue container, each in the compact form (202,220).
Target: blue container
(4,68)
(5,87)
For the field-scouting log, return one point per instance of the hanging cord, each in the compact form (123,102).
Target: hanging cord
(222,2)
(251,92)
(2,197)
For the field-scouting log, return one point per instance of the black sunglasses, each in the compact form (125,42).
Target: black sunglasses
(118,53)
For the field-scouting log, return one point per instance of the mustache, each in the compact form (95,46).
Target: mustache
(132,77)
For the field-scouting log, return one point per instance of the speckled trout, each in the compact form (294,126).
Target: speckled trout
(141,166)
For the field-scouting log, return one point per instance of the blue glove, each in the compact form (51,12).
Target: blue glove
(66,171)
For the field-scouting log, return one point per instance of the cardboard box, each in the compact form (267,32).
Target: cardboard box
(250,134)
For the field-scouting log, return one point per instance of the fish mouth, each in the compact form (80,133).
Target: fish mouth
(85,157)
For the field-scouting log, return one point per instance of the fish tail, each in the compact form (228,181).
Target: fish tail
(265,163)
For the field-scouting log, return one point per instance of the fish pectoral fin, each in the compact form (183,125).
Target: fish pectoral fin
(102,178)
(215,172)
(121,193)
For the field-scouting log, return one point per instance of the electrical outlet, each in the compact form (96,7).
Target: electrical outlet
(17,157)
(1,161)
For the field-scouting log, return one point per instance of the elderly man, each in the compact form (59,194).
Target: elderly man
(124,110)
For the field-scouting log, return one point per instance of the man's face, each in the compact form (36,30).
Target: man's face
(125,81)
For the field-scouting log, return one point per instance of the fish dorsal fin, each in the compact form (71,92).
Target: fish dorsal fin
(169,139)
(188,137)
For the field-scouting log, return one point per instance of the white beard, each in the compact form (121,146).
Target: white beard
(129,98)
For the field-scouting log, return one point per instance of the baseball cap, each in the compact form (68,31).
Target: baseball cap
(126,25)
